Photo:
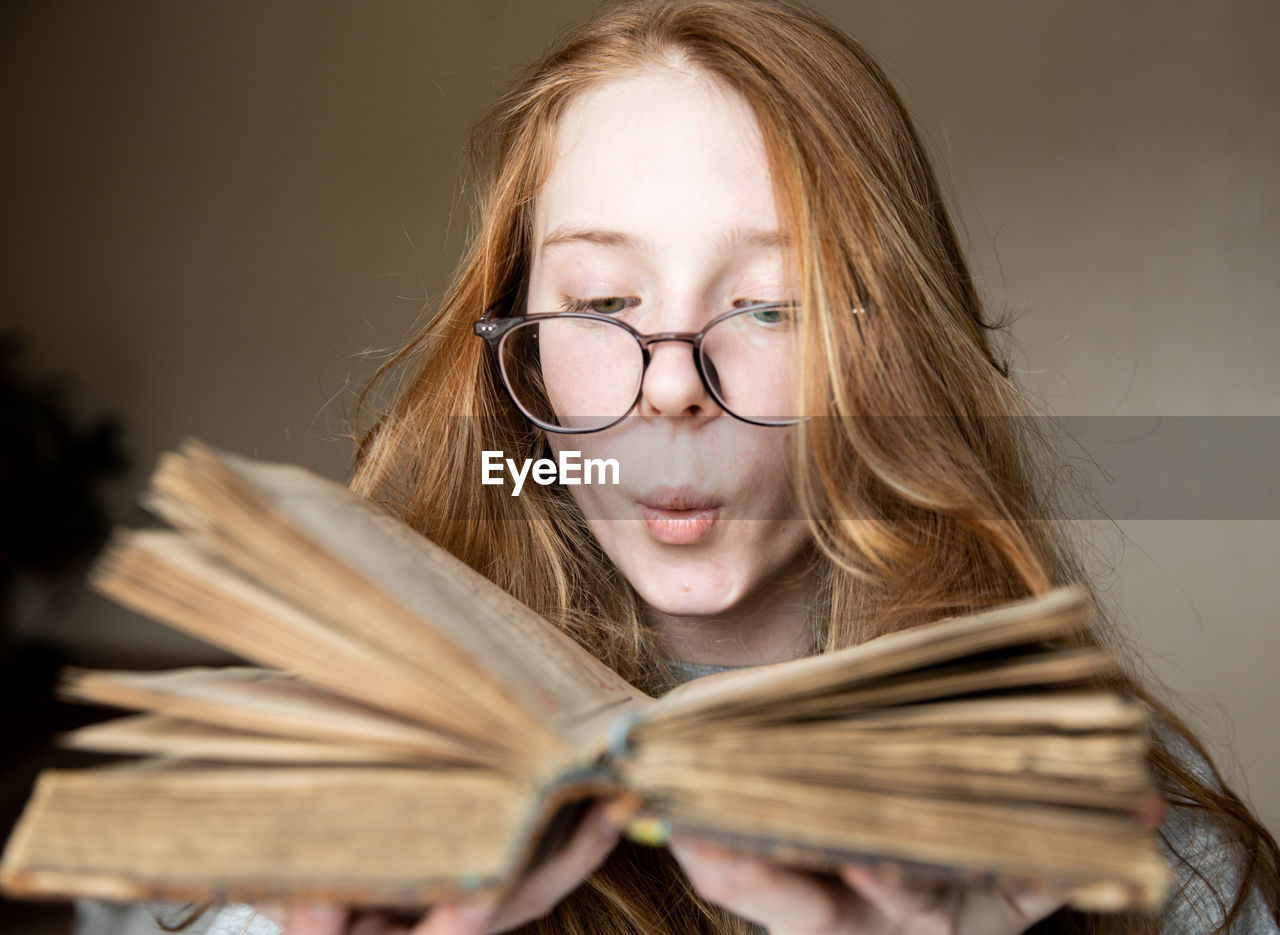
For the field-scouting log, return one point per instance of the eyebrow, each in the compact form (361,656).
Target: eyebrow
(735,238)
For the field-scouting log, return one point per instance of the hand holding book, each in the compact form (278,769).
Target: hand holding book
(865,899)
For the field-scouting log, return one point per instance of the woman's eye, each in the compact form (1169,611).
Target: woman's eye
(602,305)
(769,314)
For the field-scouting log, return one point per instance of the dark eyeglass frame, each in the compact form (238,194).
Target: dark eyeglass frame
(494,330)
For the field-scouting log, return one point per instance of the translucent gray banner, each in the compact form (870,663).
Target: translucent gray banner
(1102,467)
(1172,467)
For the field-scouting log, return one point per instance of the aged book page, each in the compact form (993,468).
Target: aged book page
(1058,614)
(369,835)
(335,553)
(162,574)
(265,701)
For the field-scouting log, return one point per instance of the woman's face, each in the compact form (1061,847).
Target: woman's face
(659,210)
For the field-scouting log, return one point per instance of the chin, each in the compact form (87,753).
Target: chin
(667,595)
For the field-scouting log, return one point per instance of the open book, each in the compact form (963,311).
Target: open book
(411,732)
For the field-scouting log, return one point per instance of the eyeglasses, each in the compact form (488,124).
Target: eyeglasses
(577,372)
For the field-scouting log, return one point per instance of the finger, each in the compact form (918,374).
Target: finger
(888,890)
(538,893)
(319,919)
(1031,900)
(764,892)
(1153,810)
(462,918)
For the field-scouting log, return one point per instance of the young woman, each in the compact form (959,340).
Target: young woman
(710,247)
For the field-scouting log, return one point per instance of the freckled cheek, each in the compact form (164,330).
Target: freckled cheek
(760,476)
(591,371)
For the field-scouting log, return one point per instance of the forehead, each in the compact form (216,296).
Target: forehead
(664,152)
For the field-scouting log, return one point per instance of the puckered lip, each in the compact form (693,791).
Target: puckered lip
(679,515)
(681,498)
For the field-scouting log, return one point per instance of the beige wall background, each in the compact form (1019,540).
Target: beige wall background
(210,207)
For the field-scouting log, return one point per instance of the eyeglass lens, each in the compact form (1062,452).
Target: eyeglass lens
(585,373)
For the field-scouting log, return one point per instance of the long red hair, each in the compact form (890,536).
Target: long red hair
(918,475)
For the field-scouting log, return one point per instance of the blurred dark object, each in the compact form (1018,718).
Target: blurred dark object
(51,472)
(53,522)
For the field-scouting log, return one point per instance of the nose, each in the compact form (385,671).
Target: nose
(672,386)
